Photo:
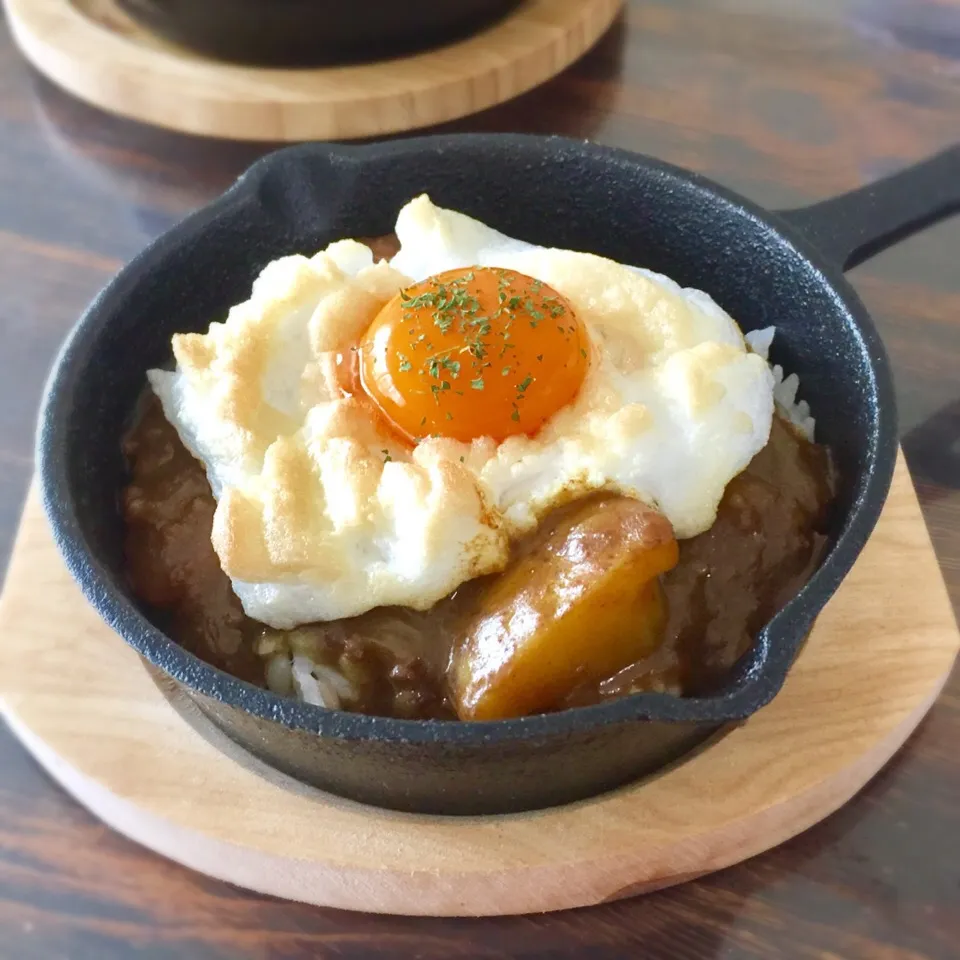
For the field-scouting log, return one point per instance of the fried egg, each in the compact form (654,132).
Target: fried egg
(379,433)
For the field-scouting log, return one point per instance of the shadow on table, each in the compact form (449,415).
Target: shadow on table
(932,448)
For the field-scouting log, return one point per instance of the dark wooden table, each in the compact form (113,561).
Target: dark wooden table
(785,100)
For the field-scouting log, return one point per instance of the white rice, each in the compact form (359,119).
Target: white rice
(784,388)
(318,684)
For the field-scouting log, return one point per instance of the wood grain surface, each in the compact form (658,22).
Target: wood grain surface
(787,102)
(149,763)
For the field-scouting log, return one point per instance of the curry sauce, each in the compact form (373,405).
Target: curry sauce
(767,540)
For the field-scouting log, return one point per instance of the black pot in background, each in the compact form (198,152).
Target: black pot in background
(783,269)
(313,32)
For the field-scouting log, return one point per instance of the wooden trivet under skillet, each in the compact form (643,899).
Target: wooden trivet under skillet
(144,761)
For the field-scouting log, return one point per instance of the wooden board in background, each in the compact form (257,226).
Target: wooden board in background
(93,50)
(82,703)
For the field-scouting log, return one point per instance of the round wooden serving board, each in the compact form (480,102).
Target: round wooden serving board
(92,49)
(81,701)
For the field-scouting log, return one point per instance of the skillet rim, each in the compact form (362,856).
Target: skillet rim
(782,636)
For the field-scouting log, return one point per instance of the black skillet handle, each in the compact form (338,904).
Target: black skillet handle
(855,226)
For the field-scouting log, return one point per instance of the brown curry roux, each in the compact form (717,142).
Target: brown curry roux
(764,545)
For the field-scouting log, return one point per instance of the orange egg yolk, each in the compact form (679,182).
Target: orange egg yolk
(473,352)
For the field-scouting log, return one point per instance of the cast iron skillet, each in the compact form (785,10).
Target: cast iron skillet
(765,268)
(303,32)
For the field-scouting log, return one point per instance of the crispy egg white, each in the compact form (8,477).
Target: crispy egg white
(323,514)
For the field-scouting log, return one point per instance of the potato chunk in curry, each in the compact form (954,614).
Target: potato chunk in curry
(581,602)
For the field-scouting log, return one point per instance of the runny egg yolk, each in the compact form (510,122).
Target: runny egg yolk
(473,352)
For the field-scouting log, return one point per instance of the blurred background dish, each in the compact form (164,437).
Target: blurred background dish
(309,32)
(140,74)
